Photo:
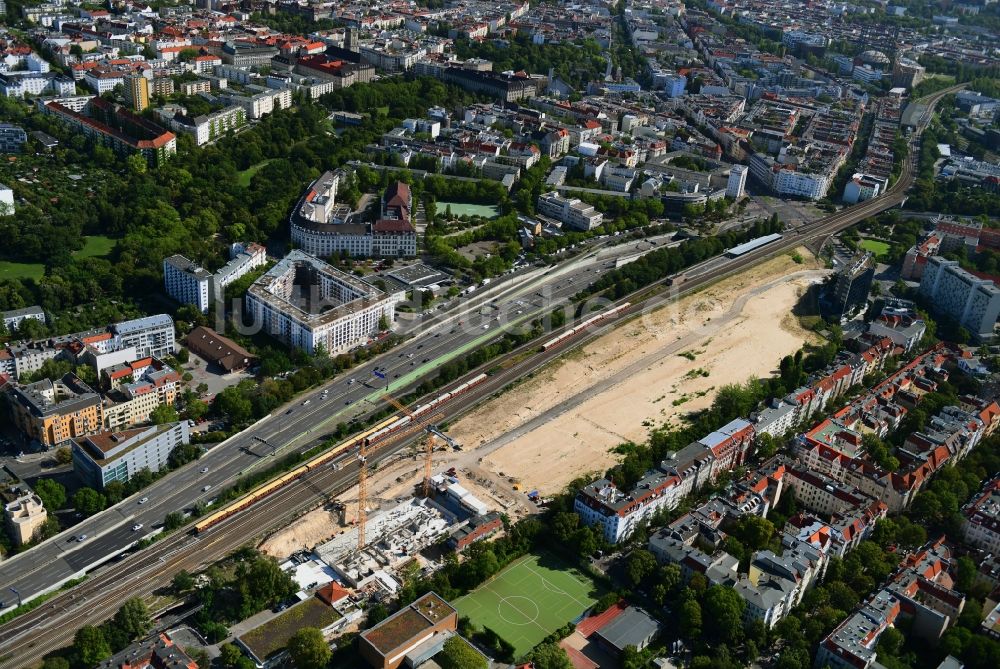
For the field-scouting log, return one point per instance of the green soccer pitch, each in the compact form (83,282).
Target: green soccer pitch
(529,600)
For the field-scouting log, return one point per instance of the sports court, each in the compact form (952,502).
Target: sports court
(530,599)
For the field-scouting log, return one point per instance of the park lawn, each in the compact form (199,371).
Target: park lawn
(21,270)
(96,246)
(466,209)
(880,249)
(243,177)
(529,600)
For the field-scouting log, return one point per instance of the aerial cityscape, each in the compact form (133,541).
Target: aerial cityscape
(547,334)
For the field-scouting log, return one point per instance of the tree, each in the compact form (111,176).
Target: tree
(691,619)
(724,608)
(458,654)
(183,581)
(641,564)
(64,456)
(173,520)
(308,649)
(231,658)
(52,493)
(164,413)
(549,656)
(377,612)
(55,663)
(133,618)
(88,501)
(90,646)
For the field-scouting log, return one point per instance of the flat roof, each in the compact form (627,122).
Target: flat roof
(746,247)
(272,637)
(407,623)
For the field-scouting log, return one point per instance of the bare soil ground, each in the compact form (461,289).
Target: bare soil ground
(564,422)
(651,371)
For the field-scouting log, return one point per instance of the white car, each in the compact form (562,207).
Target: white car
(137,527)
(206,488)
(204,470)
(143,500)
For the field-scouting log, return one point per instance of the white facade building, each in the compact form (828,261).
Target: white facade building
(186,282)
(117,456)
(972,302)
(572,212)
(737,182)
(308,304)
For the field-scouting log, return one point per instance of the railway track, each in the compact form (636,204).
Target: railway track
(27,639)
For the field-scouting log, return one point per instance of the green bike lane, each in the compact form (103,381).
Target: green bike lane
(411,377)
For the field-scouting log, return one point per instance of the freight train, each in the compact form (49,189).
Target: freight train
(593,320)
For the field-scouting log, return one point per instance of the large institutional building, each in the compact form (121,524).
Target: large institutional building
(321,228)
(972,302)
(308,304)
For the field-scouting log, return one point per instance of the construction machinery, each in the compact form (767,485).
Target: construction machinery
(432,436)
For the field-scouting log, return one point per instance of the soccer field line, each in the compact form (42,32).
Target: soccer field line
(560,590)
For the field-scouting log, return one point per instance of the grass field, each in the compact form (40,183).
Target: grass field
(20,270)
(875,246)
(244,177)
(95,246)
(463,209)
(529,600)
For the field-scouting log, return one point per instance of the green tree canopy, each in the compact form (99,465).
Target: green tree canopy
(90,646)
(458,654)
(308,649)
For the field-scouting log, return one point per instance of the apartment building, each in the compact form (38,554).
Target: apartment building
(20,84)
(309,304)
(53,412)
(13,319)
(151,336)
(981,524)
(187,282)
(111,455)
(207,128)
(137,92)
(133,401)
(12,138)
(616,513)
(115,127)
(573,213)
(972,302)
(260,104)
(24,516)
(736,184)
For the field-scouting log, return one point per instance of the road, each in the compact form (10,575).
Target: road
(443,338)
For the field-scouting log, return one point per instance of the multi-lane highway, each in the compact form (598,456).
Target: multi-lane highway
(514,301)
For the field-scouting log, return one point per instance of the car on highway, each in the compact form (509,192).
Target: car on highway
(143,500)
(306,402)
(204,470)
(137,527)
(206,488)
(81,538)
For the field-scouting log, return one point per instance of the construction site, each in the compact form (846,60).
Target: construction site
(453,488)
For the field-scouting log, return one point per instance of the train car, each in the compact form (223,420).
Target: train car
(372,435)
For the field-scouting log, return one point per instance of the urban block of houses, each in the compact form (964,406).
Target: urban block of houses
(321,228)
(311,305)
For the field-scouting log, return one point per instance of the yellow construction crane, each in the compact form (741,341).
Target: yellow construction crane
(431,440)
(362,491)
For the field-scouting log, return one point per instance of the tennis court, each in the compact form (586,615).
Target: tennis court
(529,600)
